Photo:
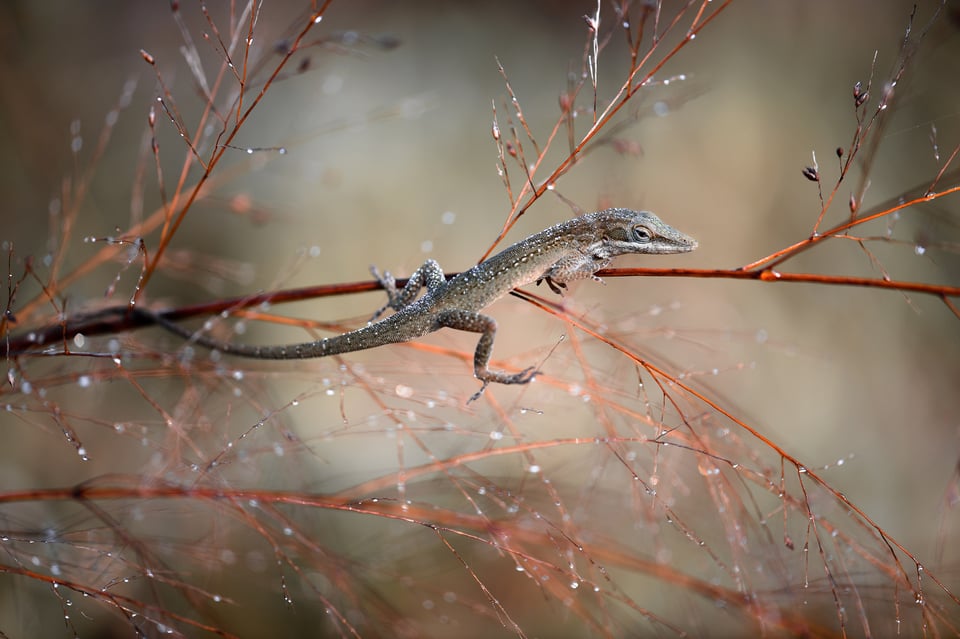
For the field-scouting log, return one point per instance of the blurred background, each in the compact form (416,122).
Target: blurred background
(389,160)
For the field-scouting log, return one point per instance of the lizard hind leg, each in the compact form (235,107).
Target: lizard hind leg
(429,275)
(487,327)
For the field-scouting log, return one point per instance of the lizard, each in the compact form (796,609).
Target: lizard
(568,251)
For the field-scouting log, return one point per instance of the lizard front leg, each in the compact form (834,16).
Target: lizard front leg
(487,327)
(577,266)
(429,275)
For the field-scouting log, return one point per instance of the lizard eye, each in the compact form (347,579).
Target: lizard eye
(642,234)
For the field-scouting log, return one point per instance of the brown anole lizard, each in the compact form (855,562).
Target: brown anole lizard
(572,250)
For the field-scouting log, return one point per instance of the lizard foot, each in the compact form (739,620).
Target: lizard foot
(523,377)
(556,287)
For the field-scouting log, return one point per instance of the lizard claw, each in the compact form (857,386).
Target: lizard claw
(554,286)
(525,376)
(389,285)
(477,395)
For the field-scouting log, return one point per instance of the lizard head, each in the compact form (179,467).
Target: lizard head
(599,237)
(625,231)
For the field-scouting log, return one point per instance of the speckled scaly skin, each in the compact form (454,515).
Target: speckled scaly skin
(572,250)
